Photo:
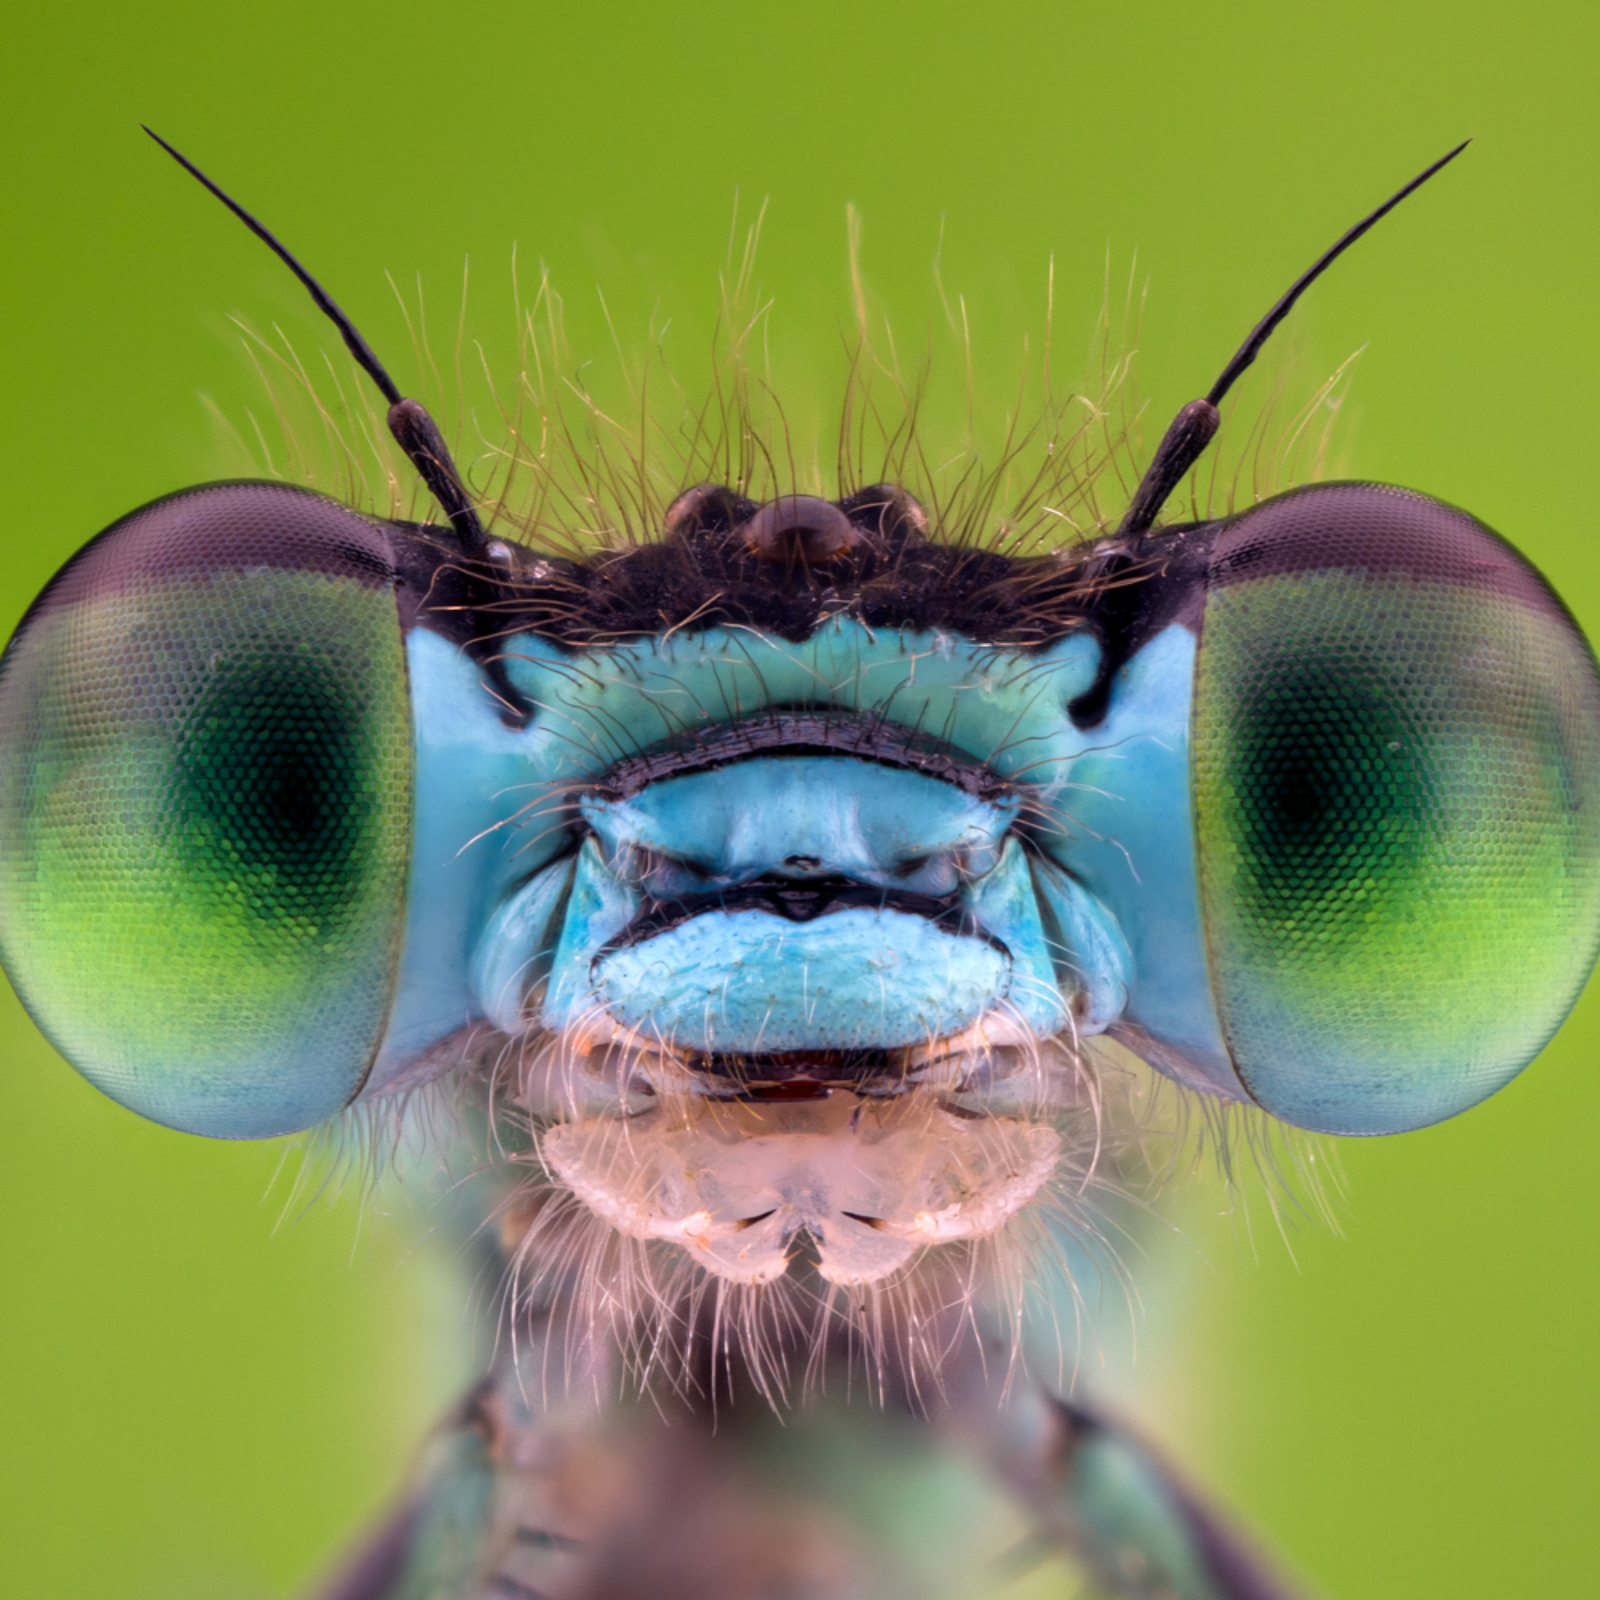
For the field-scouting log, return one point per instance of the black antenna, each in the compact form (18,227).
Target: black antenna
(414,430)
(1192,429)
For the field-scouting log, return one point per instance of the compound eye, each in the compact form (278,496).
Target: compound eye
(1397,806)
(205,808)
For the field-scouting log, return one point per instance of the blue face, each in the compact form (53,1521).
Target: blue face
(775,822)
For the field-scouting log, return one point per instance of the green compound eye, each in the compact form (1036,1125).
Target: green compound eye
(1396,771)
(205,808)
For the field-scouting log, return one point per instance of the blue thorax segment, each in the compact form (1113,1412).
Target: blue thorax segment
(540,896)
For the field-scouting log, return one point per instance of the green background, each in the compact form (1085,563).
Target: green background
(195,1400)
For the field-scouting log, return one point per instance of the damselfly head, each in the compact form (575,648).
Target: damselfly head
(779,869)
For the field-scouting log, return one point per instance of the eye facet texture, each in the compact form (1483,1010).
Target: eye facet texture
(1396,786)
(205,808)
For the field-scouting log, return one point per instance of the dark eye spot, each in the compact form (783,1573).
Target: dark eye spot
(274,792)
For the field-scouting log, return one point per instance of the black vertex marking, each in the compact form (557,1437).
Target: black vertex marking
(704,576)
(1120,590)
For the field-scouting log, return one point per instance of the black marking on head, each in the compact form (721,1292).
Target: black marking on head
(1140,587)
(800,900)
(705,574)
(803,731)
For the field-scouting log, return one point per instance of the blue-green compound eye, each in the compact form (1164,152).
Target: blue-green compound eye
(205,808)
(1397,805)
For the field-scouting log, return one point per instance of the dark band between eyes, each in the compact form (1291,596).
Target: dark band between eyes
(803,731)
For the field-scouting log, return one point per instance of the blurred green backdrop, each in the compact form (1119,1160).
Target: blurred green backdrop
(196,1402)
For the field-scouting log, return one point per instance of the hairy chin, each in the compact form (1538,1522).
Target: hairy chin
(734,1242)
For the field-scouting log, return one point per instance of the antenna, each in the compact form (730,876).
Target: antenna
(414,430)
(1192,429)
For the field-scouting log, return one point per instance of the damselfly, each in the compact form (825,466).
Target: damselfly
(771,904)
